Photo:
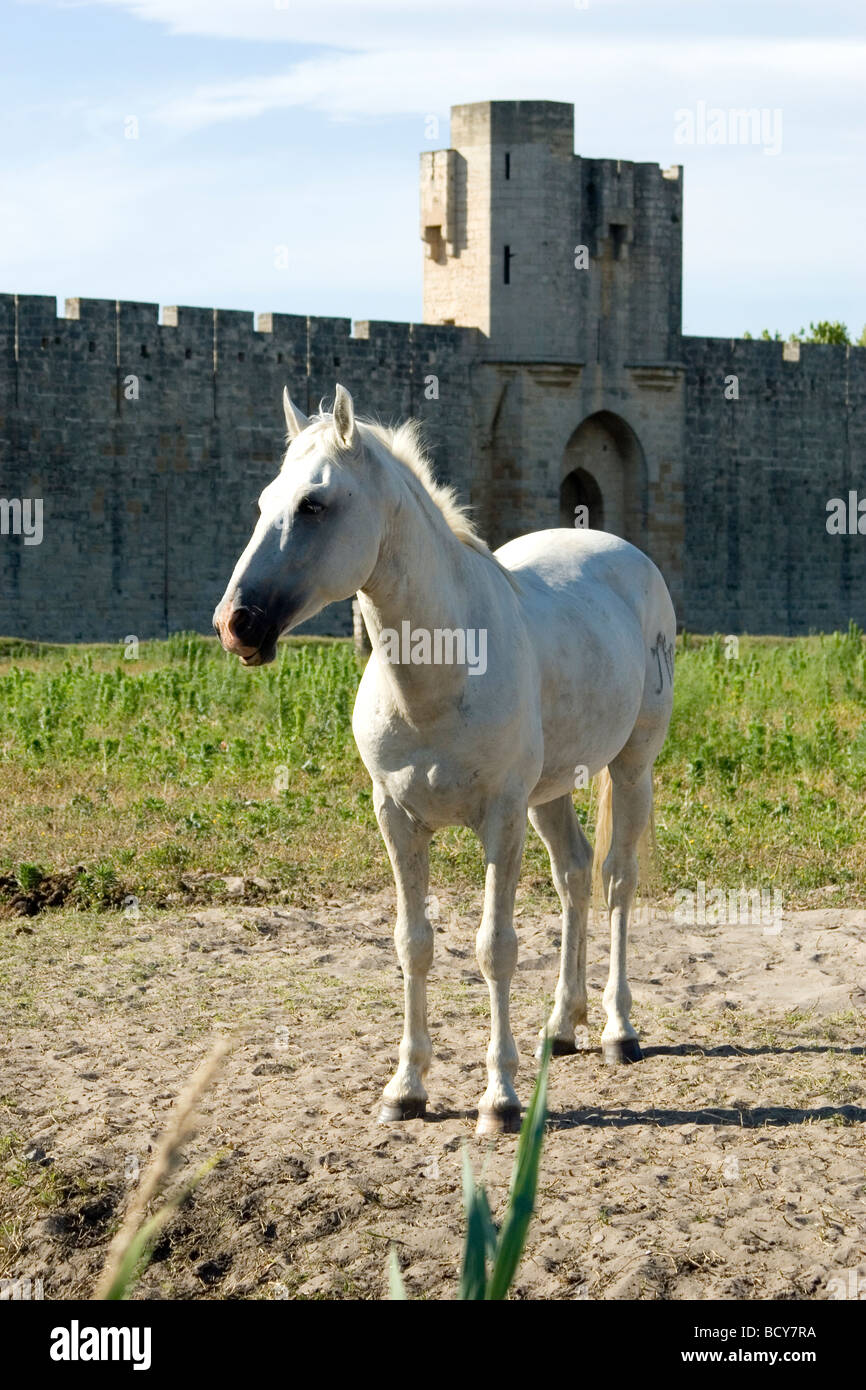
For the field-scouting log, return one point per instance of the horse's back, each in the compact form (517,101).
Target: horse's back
(600,619)
(577,566)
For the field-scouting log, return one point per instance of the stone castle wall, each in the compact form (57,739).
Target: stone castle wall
(148,502)
(513,189)
(760,470)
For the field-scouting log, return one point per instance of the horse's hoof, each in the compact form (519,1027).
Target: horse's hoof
(498,1121)
(626,1051)
(561,1047)
(394,1110)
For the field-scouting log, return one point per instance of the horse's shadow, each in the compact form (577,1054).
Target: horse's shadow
(733,1050)
(753,1118)
(749,1117)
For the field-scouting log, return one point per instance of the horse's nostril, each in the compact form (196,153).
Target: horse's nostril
(240,623)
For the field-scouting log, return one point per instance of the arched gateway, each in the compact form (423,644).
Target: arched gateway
(604,471)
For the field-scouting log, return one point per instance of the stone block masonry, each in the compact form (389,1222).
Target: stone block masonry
(771,437)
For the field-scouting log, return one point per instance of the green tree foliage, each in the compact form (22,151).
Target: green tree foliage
(824,331)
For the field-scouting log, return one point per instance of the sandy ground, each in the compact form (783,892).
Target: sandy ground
(730,1163)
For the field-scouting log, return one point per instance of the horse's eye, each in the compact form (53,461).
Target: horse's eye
(309,507)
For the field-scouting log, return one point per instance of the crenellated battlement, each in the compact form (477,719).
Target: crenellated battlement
(211,359)
(118,330)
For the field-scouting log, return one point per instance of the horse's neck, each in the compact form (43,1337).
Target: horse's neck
(421,578)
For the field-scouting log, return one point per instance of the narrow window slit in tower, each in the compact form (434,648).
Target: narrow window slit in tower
(506,266)
(617,237)
(507,165)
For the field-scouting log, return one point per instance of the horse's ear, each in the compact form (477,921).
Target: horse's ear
(344,416)
(295,419)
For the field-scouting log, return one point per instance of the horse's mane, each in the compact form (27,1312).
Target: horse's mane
(405,444)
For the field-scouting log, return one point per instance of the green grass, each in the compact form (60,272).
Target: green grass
(136,774)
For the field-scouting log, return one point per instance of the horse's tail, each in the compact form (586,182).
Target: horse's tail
(603,825)
(647,846)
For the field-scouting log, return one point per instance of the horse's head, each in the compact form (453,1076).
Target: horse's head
(317,538)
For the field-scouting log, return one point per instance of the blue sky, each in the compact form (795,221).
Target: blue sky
(264,124)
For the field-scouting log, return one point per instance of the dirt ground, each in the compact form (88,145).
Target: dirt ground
(730,1163)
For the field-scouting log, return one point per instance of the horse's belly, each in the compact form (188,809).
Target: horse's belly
(572,760)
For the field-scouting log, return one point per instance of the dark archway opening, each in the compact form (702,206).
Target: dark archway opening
(605,459)
(579,489)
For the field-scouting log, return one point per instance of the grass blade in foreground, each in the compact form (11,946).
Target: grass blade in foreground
(136,1257)
(130,1249)
(484,1244)
(524,1183)
(480,1241)
(504,1248)
(395,1278)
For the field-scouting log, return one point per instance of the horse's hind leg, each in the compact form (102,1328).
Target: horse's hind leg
(570,854)
(631,806)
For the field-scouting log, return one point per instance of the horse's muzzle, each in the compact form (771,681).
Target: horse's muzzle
(246,633)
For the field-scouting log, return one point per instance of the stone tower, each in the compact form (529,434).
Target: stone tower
(511,215)
(571,269)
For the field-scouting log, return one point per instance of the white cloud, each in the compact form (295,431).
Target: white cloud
(623,62)
(371,24)
(431,76)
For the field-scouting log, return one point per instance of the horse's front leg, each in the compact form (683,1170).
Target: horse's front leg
(408,847)
(502,835)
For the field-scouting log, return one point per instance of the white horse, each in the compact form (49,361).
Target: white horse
(493,680)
